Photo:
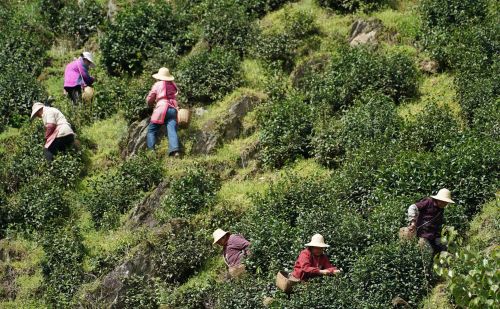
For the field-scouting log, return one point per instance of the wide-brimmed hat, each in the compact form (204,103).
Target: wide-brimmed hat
(88,56)
(35,108)
(444,195)
(317,241)
(218,234)
(163,74)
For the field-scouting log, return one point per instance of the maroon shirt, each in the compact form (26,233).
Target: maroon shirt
(308,265)
(430,219)
(235,249)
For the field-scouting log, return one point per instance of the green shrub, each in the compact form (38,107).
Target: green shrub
(346,6)
(225,23)
(285,131)
(391,270)
(136,30)
(62,265)
(209,75)
(113,193)
(80,19)
(434,127)
(191,193)
(327,146)
(240,294)
(132,102)
(50,11)
(356,70)
(180,251)
(140,292)
(193,297)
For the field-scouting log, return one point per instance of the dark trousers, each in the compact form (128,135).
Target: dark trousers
(74,93)
(59,144)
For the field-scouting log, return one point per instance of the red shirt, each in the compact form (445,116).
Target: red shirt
(308,265)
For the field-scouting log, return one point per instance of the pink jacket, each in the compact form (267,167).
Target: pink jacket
(163,94)
(308,265)
(76,73)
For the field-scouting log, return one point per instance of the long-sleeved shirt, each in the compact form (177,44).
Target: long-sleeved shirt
(308,265)
(163,94)
(77,74)
(428,218)
(55,124)
(235,249)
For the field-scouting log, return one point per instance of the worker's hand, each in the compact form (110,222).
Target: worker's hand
(337,271)
(325,272)
(412,227)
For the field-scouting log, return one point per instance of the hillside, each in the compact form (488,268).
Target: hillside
(309,116)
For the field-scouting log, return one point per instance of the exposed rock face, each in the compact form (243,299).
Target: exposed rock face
(314,64)
(248,154)
(136,138)
(143,213)
(365,32)
(429,66)
(225,128)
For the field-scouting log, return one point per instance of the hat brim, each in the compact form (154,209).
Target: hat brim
(33,113)
(444,199)
(164,78)
(317,245)
(220,237)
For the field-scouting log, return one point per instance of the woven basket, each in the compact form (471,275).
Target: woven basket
(406,234)
(237,271)
(284,283)
(87,94)
(183,117)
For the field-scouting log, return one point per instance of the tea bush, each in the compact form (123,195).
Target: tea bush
(225,23)
(209,75)
(178,253)
(191,193)
(197,296)
(328,148)
(434,127)
(140,292)
(390,270)
(135,176)
(79,20)
(347,6)
(135,31)
(285,131)
(356,70)
(62,265)
(240,294)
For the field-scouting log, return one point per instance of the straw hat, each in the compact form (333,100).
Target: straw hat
(163,74)
(218,234)
(35,108)
(317,241)
(88,56)
(444,195)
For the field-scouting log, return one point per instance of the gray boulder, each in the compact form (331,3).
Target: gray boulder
(136,138)
(365,32)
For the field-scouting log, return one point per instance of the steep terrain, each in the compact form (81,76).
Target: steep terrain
(310,116)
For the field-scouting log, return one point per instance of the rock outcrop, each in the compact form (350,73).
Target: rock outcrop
(365,32)
(136,138)
(143,213)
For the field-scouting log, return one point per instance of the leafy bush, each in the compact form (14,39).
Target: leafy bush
(192,192)
(136,30)
(80,19)
(285,131)
(140,292)
(209,75)
(133,177)
(356,70)
(179,251)
(258,8)
(196,296)
(346,6)
(240,294)
(62,265)
(225,23)
(434,127)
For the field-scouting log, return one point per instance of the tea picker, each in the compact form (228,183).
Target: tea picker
(235,249)
(77,78)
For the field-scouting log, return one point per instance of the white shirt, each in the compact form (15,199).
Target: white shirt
(52,115)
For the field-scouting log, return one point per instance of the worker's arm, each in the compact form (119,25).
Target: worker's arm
(305,265)
(151,98)
(87,79)
(49,129)
(326,265)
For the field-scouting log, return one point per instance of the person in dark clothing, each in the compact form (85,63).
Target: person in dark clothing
(426,219)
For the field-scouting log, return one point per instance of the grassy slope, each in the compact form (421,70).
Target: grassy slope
(234,192)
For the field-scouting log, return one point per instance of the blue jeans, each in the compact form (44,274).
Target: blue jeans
(171,122)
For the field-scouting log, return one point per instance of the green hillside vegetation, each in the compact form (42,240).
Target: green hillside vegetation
(337,137)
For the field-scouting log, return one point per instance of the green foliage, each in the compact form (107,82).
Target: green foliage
(347,6)
(225,23)
(79,19)
(137,29)
(180,251)
(192,297)
(140,292)
(62,265)
(390,270)
(191,193)
(240,294)
(434,127)
(472,275)
(113,193)
(356,70)
(209,75)
(50,11)
(285,130)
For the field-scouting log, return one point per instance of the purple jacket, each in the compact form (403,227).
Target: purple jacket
(77,73)
(235,249)
(430,219)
